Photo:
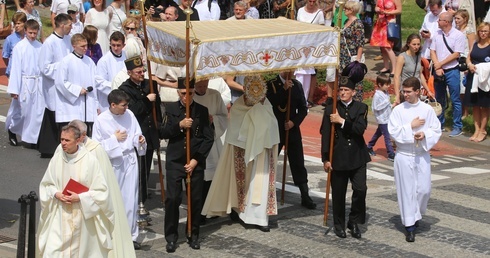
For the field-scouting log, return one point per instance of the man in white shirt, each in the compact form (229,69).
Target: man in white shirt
(430,26)
(239,11)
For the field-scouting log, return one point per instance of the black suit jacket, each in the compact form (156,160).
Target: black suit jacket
(202,135)
(350,150)
(278,97)
(142,108)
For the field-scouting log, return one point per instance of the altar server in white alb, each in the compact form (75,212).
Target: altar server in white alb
(415,128)
(54,48)
(119,133)
(75,85)
(27,107)
(108,66)
(74,225)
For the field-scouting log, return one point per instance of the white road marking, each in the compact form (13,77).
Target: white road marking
(467,170)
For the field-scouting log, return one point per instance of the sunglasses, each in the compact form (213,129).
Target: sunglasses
(129,28)
(72,12)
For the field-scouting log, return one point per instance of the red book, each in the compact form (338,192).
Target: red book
(74,186)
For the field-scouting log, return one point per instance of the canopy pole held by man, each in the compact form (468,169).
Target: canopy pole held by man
(188,11)
(154,111)
(332,126)
(286,141)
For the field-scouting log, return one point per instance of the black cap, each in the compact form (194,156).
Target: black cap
(133,62)
(181,83)
(346,82)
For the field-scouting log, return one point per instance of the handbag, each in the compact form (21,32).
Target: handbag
(354,58)
(462,65)
(7,29)
(393,32)
(435,105)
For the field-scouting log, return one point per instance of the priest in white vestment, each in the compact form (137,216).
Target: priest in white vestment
(75,86)
(121,236)
(218,117)
(414,127)
(107,68)
(74,225)
(119,133)
(245,176)
(25,87)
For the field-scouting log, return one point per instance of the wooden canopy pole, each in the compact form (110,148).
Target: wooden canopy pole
(332,126)
(154,111)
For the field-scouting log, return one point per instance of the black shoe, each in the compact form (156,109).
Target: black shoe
(263,228)
(385,71)
(194,244)
(354,230)
(234,216)
(46,155)
(309,204)
(391,158)
(340,233)
(31,146)
(137,246)
(203,220)
(371,152)
(410,236)
(417,223)
(13,138)
(171,246)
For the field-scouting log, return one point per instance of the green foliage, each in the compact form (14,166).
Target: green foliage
(367,85)
(412,18)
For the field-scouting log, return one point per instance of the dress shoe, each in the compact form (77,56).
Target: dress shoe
(263,228)
(194,244)
(306,200)
(410,236)
(234,216)
(171,246)
(13,138)
(340,233)
(354,230)
(137,246)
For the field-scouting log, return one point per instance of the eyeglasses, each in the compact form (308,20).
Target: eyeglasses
(483,31)
(129,28)
(72,12)
(444,20)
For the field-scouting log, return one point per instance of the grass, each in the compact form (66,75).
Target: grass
(47,26)
(412,18)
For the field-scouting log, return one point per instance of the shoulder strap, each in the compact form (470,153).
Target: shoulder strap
(209,5)
(416,63)
(445,42)
(320,10)
(194,4)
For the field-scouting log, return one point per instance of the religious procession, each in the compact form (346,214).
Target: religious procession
(193,114)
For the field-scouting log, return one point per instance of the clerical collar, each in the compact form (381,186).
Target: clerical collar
(182,105)
(282,79)
(197,93)
(117,56)
(56,34)
(77,55)
(346,103)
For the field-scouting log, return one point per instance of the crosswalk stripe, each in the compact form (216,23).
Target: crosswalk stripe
(460,158)
(3,118)
(478,158)
(467,170)
(435,177)
(379,169)
(381,165)
(439,161)
(453,160)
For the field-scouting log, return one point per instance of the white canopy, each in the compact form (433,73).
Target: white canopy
(241,47)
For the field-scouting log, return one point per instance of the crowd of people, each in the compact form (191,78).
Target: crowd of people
(86,88)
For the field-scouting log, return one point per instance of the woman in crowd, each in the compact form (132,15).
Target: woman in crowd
(27,7)
(93,48)
(310,13)
(118,14)
(100,18)
(387,11)
(130,26)
(252,9)
(352,41)
(478,59)
(408,65)
(461,19)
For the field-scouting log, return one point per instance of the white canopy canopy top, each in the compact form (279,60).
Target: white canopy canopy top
(242,47)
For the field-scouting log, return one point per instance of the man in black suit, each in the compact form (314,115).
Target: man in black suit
(141,103)
(277,93)
(349,157)
(202,138)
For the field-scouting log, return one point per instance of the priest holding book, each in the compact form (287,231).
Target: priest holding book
(74,222)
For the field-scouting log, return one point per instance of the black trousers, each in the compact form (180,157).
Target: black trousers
(339,181)
(174,199)
(49,134)
(144,167)
(296,156)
